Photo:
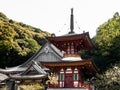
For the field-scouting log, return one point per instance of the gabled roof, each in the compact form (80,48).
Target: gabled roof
(50,48)
(47,49)
(34,71)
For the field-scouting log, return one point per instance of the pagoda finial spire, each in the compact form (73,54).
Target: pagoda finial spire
(71,22)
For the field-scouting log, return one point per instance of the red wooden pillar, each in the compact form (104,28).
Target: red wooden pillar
(73,74)
(79,77)
(59,78)
(64,75)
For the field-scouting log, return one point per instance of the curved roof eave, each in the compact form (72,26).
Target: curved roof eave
(28,76)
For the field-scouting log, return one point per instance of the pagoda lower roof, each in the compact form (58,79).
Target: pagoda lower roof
(68,63)
(80,64)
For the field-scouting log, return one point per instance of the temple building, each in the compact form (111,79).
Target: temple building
(59,57)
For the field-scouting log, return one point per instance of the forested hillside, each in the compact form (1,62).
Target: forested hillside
(107,54)
(18,41)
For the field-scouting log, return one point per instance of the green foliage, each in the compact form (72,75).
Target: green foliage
(107,41)
(31,87)
(3,15)
(107,54)
(37,30)
(18,41)
(110,79)
(11,21)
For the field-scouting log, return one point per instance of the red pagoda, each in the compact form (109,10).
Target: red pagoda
(72,69)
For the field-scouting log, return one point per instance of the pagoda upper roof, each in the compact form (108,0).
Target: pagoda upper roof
(67,37)
(82,41)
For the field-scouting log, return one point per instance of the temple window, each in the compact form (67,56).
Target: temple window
(68,50)
(72,49)
(61,76)
(75,76)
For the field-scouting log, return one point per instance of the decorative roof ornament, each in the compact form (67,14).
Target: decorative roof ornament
(71,22)
(46,50)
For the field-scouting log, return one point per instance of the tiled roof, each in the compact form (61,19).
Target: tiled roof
(3,77)
(34,67)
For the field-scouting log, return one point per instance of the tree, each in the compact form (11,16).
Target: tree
(107,54)
(107,40)
(18,41)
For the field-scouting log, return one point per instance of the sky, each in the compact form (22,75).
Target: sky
(54,15)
